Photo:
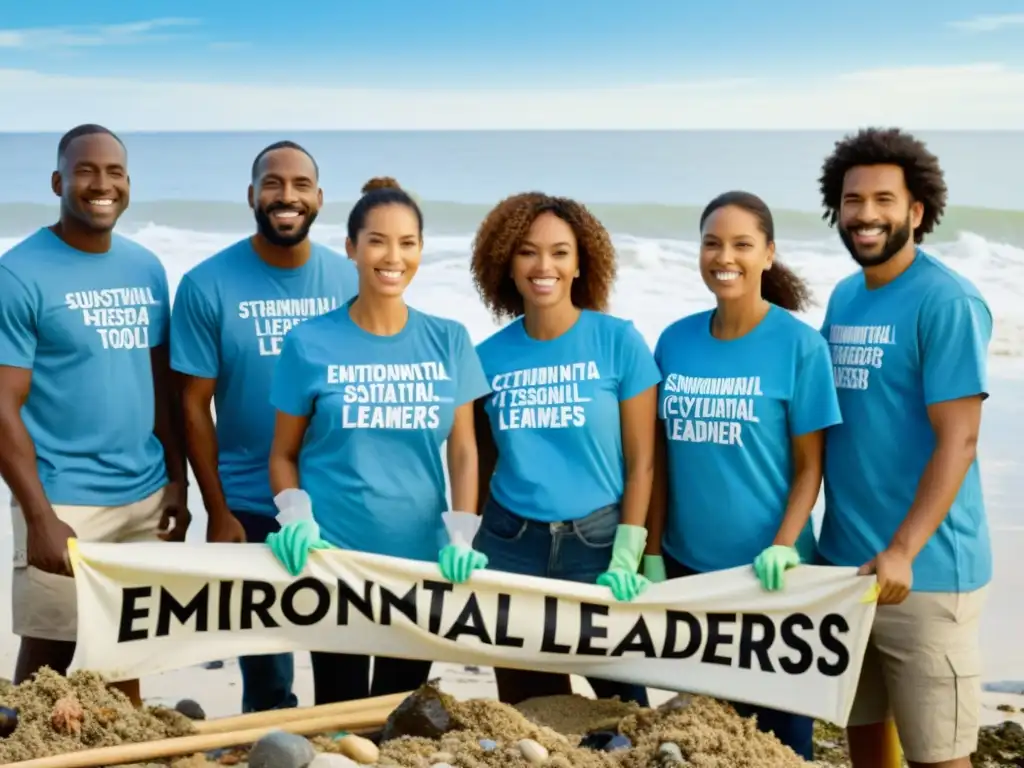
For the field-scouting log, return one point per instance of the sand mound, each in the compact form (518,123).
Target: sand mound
(65,714)
(708,734)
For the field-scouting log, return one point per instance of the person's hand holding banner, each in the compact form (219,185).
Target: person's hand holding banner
(458,559)
(622,577)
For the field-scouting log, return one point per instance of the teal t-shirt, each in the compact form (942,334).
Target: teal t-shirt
(85,325)
(380,408)
(730,410)
(554,414)
(230,317)
(921,339)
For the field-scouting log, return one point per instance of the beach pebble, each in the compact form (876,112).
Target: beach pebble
(360,749)
(190,709)
(532,751)
(282,750)
(442,758)
(8,721)
(488,745)
(679,701)
(618,741)
(669,754)
(329,760)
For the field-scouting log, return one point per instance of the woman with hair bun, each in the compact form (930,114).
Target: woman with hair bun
(366,396)
(567,438)
(746,396)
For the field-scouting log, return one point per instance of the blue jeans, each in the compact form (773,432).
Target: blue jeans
(795,731)
(266,680)
(577,551)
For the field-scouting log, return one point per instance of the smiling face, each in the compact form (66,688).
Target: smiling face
(877,216)
(285,197)
(387,251)
(92,182)
(546,263)
(734,253)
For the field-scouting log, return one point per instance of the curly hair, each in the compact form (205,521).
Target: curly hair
(502,233)
(780,285)
(886,146)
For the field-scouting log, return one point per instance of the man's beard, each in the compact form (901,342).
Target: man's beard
(895,240)
(282,239)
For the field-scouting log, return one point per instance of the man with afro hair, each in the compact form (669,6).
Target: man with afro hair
(903,500)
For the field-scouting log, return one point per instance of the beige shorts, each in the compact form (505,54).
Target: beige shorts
(44,605)
(922,667)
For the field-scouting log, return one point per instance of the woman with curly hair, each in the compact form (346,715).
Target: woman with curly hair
(366,395)
(744,404)
(567,462)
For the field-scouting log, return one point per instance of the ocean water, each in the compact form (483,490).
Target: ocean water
(648,188)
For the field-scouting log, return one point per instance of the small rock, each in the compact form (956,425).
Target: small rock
(441,758)
(361,750)
(213,665)
(618,741)
(679,701)
(1006,708)
(8,721)
(190,709)
(282,750)
(532,751)
(670,754)
(329,760)
(488,745)
(422,714)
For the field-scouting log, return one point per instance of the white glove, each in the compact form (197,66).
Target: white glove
(293,505)
(461,527)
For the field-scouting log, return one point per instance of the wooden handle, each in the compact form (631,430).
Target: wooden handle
(278,716)
(368,719)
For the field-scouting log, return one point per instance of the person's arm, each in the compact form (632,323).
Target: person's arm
(202,447)
(487,453)
(469,486)
(18,457)
(292,393)
(639,416)
(657,509)
(289,432)
(462,460)
(168,420)
(808,451)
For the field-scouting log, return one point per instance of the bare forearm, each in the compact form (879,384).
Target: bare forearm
(802,496)
(18,466)
(284,473)
(939,485)
(637,495)
(201,444)
(464,474)
(168,414)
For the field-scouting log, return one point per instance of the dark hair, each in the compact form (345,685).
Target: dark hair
(502,232)
(886,146)
(282,145)
(88,129)
(779,285)
(380,190)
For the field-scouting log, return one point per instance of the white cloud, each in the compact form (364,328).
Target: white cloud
(130,33)
(989,23)
(982,96)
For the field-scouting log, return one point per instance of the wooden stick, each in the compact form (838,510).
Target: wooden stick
(187,745)
(277,716)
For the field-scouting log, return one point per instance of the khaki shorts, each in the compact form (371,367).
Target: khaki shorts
(45,605)
(922,667)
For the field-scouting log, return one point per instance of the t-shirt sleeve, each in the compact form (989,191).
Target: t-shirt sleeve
(472,382)
(162,330)
(293,386)
(815,405)
(637,368)
(195,350)
(17,322)
(954,335)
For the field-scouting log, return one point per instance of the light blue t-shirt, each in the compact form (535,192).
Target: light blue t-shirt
(380,409)
(921,339)
(554,414)
(85,325)
(229,320)
(730,411)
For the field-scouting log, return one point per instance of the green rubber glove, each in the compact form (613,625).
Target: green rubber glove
(771,565)
(293,543)
(458,561)
(654,568)
(622,577)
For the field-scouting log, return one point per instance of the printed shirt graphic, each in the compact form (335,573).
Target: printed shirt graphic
(380,409)
(230,317)
(554,414)
(921,339)
(730,410)
(85,325)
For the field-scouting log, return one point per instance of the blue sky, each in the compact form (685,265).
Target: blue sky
(455,45)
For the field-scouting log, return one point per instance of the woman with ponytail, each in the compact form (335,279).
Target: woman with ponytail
(746,395)
(366,396)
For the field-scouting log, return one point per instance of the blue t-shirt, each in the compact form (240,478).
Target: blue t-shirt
(730,410)
(230,317)
(921,339)
(554,414)
(380,409)
(85,325)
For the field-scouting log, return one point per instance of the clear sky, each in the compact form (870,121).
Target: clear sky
(230,65)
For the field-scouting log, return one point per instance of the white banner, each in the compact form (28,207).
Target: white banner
(147,608)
